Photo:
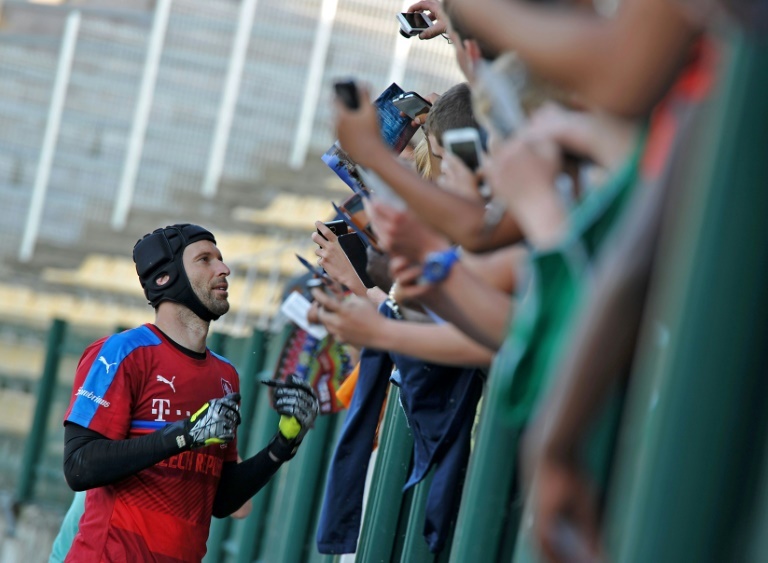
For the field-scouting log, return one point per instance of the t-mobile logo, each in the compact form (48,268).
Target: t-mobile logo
(160,408)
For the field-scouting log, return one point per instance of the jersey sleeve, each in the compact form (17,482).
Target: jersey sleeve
(102,397)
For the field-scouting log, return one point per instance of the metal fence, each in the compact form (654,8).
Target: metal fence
(128,109)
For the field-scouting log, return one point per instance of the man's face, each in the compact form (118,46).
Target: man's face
(208,275)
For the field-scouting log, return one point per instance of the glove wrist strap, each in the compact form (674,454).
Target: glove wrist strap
(282,448)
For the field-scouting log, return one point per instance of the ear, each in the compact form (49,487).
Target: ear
(162,280)
(473,50)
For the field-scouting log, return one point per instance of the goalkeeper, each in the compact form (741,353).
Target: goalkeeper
(150,432)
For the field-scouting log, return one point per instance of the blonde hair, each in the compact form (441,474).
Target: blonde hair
(421,158)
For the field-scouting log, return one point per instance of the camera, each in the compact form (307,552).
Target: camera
(464,143)
(413,23)
(411,104)
(346,91)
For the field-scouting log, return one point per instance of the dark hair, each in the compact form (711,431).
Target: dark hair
(488,53)
(452,110)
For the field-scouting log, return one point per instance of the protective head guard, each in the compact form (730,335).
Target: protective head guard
(160,253)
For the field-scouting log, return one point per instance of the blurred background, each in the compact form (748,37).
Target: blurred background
(118,117)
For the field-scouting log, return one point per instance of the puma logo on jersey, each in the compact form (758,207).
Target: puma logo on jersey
(103,360)
(164,380)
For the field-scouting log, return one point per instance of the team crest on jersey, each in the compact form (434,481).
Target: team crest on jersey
(227,386)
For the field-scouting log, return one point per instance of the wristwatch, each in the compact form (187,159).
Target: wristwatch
(438,265)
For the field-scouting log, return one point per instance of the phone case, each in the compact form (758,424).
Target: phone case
(338,227)
(411,104)
(354,248)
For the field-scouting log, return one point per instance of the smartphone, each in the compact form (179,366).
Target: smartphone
(346,91)
(411,104)
(355,249)
(413,23)
(338,228)
(464,143)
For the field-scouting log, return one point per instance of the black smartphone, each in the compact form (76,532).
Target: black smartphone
(338,228)
(354,247)
(411,104)
(346,91)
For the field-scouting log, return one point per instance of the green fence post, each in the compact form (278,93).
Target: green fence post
(688,465)
(253,364)
(313,556)
(415,547)
(486,501)
(294,498)
(250,531)
(217,342)
(380,522)
(45,391)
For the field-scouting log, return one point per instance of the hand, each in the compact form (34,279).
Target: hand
(410,288)
(562,500)
(332,258)
(401,233)
(353,320)
(298,407)
(312,313)
(296,403)
(435,13)
(358,130)
(522,172)
(457,178)
(214,423)
(564,513)
(603,138)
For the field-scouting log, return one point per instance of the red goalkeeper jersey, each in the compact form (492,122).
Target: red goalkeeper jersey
(127,385)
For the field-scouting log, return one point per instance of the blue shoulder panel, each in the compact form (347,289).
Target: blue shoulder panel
(114,350)
(222,358)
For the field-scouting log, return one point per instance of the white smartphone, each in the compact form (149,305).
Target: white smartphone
(413,23)
(464,143)
(411,104)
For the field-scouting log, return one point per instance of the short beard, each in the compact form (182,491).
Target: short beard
(218,307)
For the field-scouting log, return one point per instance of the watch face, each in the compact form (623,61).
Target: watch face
(433,269)
(438,265)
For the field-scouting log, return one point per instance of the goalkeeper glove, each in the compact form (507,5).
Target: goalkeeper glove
(298,407)
(214,423)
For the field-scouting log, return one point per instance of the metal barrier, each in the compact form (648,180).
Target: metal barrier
(693,459)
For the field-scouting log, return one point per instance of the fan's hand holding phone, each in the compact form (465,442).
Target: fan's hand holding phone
(411,104)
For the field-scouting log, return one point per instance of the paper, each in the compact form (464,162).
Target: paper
(296,307)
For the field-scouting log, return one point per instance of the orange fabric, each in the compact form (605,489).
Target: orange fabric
(694,82)
(347,388)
